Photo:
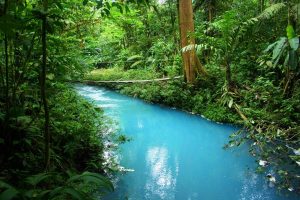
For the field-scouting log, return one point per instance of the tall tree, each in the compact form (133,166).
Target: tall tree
(186,26)
(191,63)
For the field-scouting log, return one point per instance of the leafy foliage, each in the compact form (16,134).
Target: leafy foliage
(250,50)
(45,44)
(75,187)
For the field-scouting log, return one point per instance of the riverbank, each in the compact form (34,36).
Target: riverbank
(251,106)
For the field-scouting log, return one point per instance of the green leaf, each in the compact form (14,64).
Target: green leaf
(279,47)
(36,179)
(230,103)
(107,5)
(271,46)
(286,61)
(58,4)
(127,9)
(269,64)
(24,119)
(293,59)
(50,76)
(74,193)
(290,32)
(105,12)
(4,185)
(294,43)
(99,4)
(136,63)
(89,177)
(41,194)
(134,57)
(62,191)
(116,4)
(8,194)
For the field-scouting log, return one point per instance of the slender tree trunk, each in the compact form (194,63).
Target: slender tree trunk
(6,72)
(43,88)
(262,5)
(228,74)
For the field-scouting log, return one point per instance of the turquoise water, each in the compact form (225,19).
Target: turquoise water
(178,156)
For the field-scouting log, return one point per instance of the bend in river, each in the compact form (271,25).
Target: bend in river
(178,156)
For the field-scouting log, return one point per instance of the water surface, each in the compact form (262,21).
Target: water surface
(178,156)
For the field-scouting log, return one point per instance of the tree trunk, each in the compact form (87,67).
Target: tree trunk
(262,5)
(228,75)
(186,26)
(191,63)
(43,88)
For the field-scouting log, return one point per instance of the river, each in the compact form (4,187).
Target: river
(178,156)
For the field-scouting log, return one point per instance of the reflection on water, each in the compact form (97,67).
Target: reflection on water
(140,124)
(161,181)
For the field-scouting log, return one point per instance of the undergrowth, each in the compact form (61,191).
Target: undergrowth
(79,130)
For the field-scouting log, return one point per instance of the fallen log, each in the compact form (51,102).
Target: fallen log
(132,81)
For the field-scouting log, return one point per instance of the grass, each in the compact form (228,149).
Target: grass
(116,74)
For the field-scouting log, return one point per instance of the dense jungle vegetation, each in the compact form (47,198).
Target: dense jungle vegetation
(52,141)
(234,62)
(239,60)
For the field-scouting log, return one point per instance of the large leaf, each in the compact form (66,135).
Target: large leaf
(89,177)
(36,179)
(75,194)
(271,46)
(36,193)
(134,57)
(293,59)
(294,43)
(62,191)
(136,63)
(8,194)
(290,32)
(279,48)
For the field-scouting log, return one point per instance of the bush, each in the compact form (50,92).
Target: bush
(78,131)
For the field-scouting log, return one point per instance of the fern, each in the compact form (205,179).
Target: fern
(72,188)
(267,14)
(197,47)
(271,11)
(134,57)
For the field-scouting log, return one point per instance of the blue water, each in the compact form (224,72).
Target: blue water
(178,156)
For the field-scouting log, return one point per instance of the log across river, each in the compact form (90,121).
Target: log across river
(130,81)
(178,156)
